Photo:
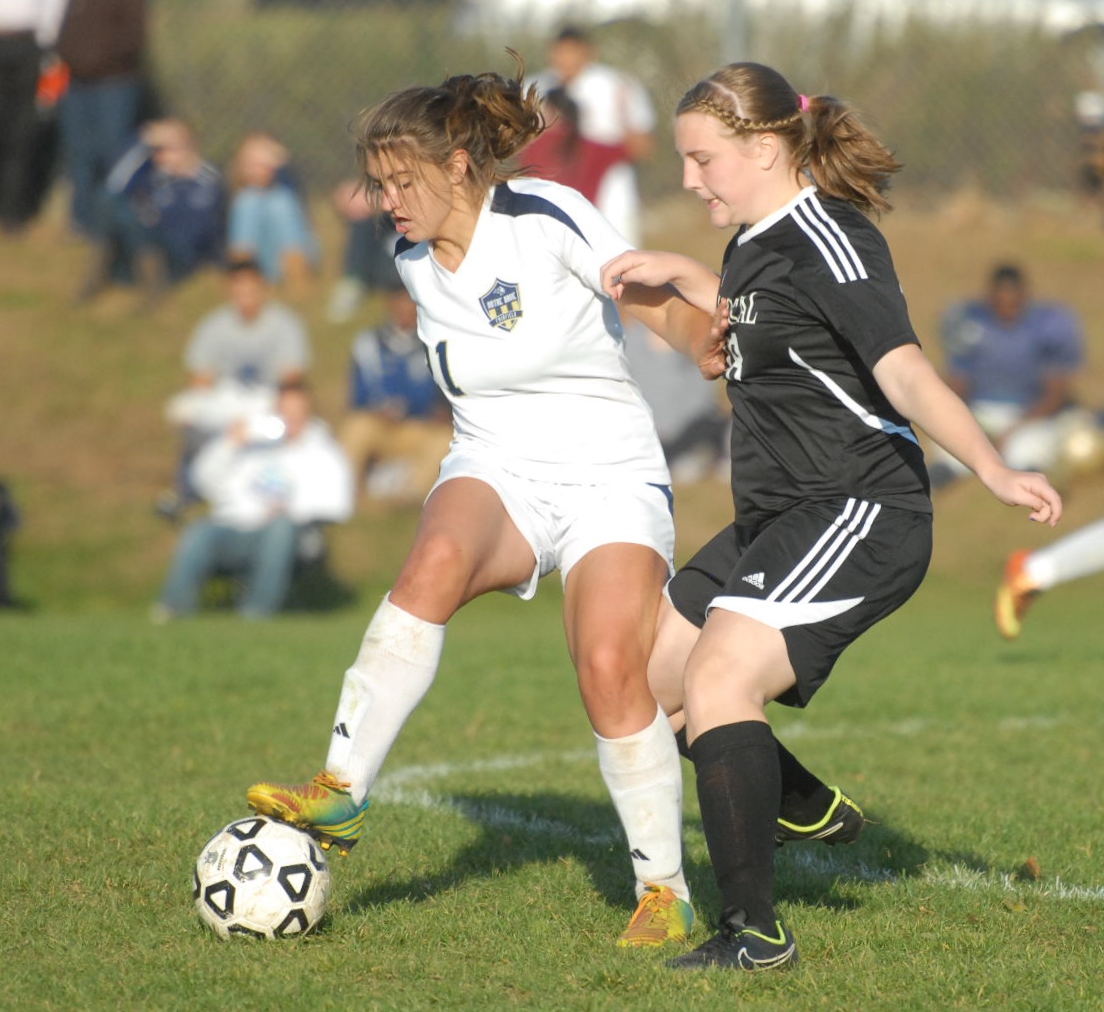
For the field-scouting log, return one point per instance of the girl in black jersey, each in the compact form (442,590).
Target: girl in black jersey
(833,516)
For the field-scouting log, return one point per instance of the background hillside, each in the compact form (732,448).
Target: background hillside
(82,388)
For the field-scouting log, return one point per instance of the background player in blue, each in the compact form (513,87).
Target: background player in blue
(833,517)
(555,463)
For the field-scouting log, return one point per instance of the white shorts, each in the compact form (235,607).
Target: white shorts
(562,523)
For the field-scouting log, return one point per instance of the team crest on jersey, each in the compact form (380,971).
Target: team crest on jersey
(502,304)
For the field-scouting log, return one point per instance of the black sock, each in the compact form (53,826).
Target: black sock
(805,798)
(680,741)
(738,790)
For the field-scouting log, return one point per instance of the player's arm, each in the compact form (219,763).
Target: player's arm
(693,280)
(684,327)
(915,389)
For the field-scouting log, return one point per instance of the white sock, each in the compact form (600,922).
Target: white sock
(643,774)
(395,667)
(1078,554)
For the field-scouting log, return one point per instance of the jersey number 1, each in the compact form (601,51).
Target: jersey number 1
(442,361)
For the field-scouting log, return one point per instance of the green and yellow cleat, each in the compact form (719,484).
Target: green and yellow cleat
(324,808)
(740,947)
(660,917)
(842,823)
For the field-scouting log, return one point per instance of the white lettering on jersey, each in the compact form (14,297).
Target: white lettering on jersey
(741,311)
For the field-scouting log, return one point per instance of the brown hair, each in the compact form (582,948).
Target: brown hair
(489,116)
(825,136)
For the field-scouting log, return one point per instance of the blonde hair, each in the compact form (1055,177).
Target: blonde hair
(489,116)
(824,136)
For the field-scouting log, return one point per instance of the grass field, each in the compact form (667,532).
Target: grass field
(493,875)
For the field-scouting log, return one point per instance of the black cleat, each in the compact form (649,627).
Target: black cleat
(740,947)
(842,823)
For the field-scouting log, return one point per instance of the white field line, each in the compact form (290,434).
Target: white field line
(957,876)
(916,727)
(403,787)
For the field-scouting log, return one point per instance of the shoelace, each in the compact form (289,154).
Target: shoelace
(327,779)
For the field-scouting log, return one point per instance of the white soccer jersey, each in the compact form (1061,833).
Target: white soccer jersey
(527,348)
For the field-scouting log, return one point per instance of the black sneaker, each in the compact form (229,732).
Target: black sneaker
(842,823)
(738,946)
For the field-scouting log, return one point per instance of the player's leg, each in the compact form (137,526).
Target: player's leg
(610,604)
(1027,574)
(802,590)
(737,666)
(809,808)
(466,545)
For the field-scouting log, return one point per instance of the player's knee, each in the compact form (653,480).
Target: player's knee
(438,569)
(608,673)
(711,686)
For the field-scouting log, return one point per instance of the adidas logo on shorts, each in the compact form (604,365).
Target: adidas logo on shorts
(755,579)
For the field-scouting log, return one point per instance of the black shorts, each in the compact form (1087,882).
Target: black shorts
(821,573)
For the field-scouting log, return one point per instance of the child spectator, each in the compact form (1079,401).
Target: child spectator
(164,213)
(368,262)
(398,428)
(268,219)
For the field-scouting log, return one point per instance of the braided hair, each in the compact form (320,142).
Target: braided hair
(825,136)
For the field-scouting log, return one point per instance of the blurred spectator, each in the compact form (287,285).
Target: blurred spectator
(164,213)
(236,358)
(368,262)
(103,42)
(271,483)
(614,109)
(9,523)
(1088,108)
(398,428)
(268,218)
(1013,361)
(28,29)
(692,424)
(563,154)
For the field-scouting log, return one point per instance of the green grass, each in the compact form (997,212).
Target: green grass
(492,875)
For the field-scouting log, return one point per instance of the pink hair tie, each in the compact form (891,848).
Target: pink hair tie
(803,102)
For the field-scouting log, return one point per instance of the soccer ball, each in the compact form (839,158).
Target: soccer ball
(260,878)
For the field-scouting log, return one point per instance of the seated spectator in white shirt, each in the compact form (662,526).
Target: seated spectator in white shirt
(270,482)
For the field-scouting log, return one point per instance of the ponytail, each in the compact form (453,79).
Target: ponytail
(824,135)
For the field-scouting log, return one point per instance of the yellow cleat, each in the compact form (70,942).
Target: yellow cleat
(660,917)
(324,808)
(1014,595)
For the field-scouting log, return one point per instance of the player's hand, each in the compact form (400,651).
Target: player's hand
(640,267)
(711,359)
(1026,488)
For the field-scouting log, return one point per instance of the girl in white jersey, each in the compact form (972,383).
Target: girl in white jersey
(833,517)
(555,464)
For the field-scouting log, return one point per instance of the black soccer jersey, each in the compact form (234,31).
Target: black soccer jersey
(815,303)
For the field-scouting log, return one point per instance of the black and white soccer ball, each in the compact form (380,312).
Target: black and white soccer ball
(261,878)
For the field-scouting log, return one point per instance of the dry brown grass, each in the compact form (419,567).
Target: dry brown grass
(83,440)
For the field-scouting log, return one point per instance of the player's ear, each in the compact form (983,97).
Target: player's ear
(457,166)
(768,149)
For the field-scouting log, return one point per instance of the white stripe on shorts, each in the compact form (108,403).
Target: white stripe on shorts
(791,602)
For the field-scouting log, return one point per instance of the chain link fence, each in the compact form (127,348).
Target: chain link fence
(973,101)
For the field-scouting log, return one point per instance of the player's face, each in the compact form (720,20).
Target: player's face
(720,168)
(417,195)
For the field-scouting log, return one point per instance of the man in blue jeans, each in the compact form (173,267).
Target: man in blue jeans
(104,44)
(269,480)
